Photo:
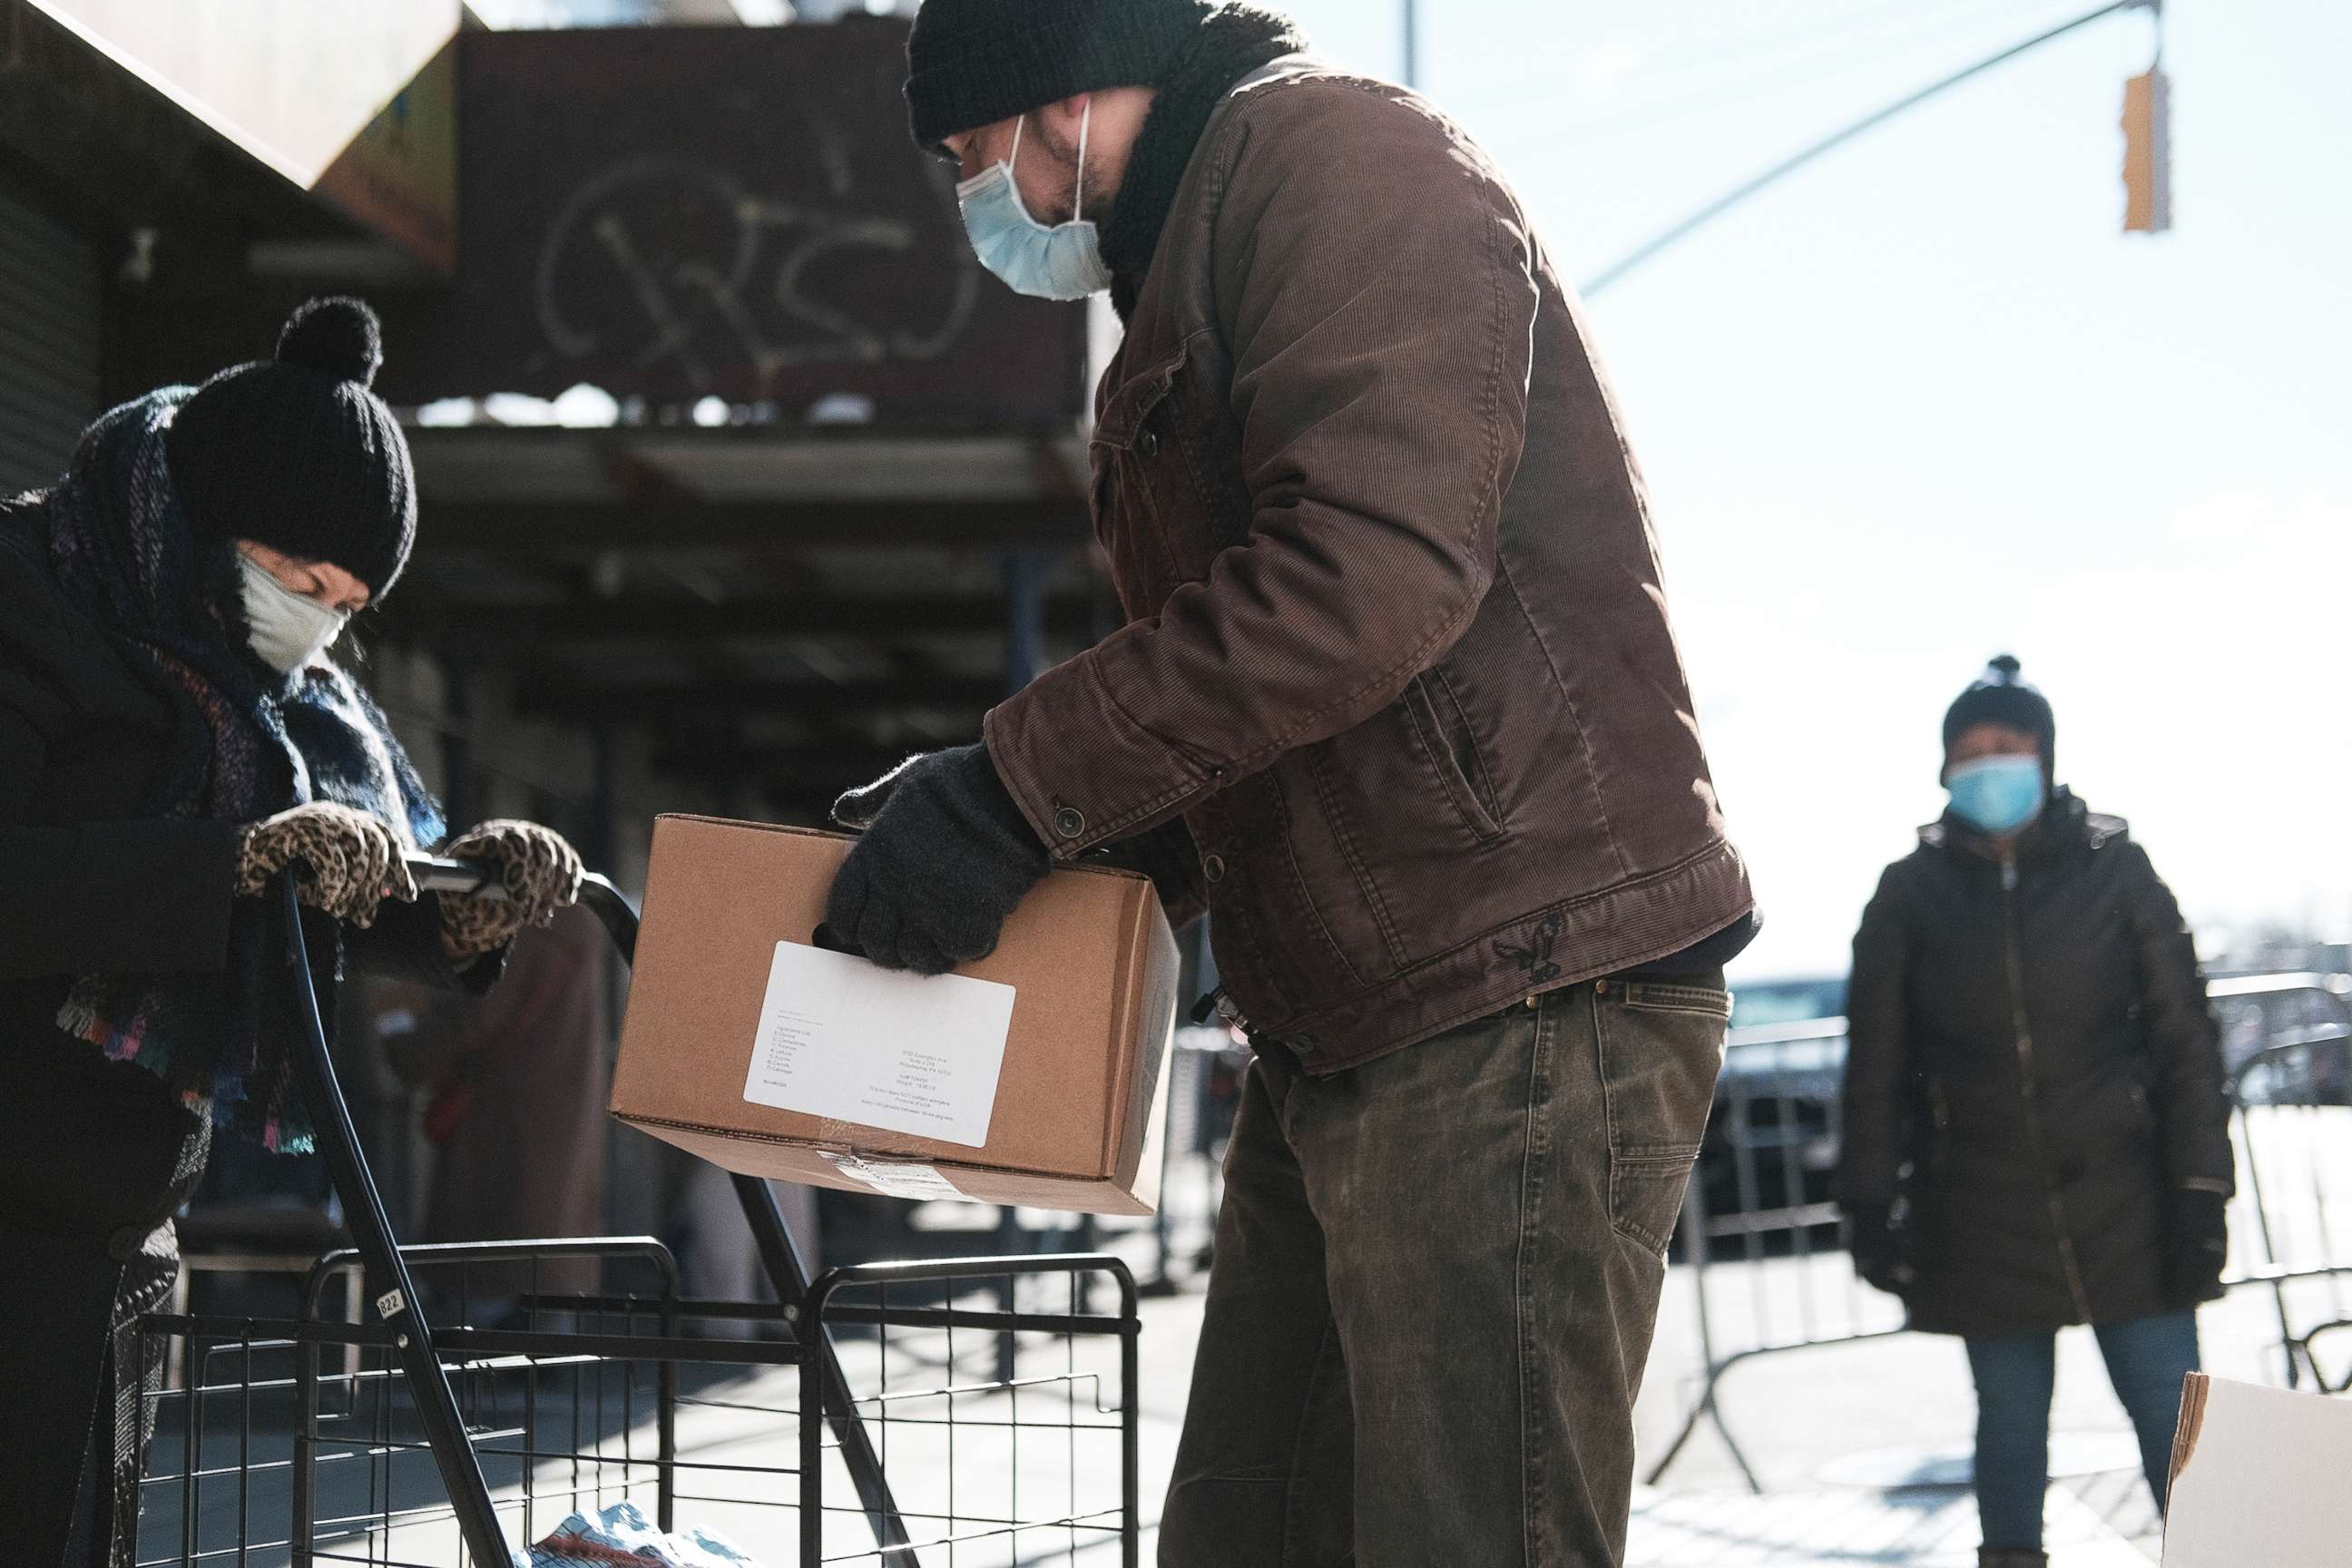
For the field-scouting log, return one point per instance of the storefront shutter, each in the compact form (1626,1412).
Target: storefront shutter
(48,343)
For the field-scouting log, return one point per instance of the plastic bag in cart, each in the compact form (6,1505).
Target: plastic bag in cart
(622,1537)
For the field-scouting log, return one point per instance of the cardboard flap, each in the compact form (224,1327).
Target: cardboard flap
(2192,1421)
(2260,1476)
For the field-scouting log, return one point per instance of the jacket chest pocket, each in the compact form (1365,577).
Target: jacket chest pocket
(1148,511)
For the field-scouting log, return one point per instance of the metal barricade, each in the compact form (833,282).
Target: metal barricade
(1758,1244)
(1766,1267)
(2288,1042)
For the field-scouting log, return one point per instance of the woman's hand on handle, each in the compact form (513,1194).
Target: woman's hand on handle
(346,862)
(539,871)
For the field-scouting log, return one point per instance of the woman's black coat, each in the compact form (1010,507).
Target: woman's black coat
(2032,1040)
(95,1154)
(86,885)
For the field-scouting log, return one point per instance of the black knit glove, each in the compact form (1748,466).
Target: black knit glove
(946,858)
(2196,1245)
(1883,1250)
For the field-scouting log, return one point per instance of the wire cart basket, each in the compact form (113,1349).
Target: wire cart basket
(963,1413)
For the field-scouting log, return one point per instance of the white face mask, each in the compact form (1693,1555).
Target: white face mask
(1063,261)
(289,629)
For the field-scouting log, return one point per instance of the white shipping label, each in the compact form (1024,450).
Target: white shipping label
(907,1053)
(895,1179)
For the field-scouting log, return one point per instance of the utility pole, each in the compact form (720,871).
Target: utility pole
(1412,43)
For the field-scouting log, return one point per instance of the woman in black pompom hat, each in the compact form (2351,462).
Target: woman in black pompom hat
(298,453)
(171,736)
(2035,1130)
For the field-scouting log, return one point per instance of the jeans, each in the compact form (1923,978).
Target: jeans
(2147,1358)
(1436,1278)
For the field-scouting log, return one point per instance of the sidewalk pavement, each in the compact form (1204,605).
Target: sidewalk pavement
(1862,1451)
(1842,1437)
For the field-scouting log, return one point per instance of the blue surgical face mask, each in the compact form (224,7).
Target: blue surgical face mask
(1998,794)
(1063,261)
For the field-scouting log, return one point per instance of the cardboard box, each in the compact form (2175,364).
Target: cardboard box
(733,1017)
(2262,1478)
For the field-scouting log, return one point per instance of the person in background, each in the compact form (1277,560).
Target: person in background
(1398,701)
(173,736)
(515,1087)
(2036,1130)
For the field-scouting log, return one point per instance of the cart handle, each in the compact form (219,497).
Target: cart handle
(479,878)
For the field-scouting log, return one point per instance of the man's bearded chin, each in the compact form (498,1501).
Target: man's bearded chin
(1102,197)
(1065,207)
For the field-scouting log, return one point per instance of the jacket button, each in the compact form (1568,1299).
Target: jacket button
(1213,867)
(1069,822)
(1147,444)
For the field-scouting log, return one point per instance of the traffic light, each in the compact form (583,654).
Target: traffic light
(2148,154)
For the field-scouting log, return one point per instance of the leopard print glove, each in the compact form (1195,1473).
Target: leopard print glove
(345,861)
(540,872)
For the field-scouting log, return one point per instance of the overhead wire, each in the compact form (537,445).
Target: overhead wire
(1741,48)
(1884,52)
(1731,62)
(1807,154)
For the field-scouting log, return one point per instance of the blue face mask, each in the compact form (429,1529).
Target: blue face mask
(1998,794)
(1063,261)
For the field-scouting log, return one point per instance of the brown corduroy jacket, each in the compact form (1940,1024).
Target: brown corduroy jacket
(1398,656)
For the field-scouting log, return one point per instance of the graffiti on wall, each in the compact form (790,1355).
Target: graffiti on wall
(671,214)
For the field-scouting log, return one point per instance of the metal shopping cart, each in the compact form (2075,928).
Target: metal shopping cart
(964,1413)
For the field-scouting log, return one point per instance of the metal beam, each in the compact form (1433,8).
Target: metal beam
(1068,616)
(568,695)
(782,767)
(551,529)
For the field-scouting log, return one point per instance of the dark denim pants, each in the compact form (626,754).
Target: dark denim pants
(1436,1278)
(2148,1359)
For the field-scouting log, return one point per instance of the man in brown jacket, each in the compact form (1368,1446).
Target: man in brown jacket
(1398,703)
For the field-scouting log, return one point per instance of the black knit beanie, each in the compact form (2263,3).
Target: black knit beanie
(297,453)
(972,63)
(2002,696)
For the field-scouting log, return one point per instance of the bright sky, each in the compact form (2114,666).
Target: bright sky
(1925,402)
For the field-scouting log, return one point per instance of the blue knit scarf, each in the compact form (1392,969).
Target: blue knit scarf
(249,744)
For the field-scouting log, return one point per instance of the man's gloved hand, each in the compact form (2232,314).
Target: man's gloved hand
(1883,1249)
(539,870)
(2196,1245)
(945,859)
(349,861)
